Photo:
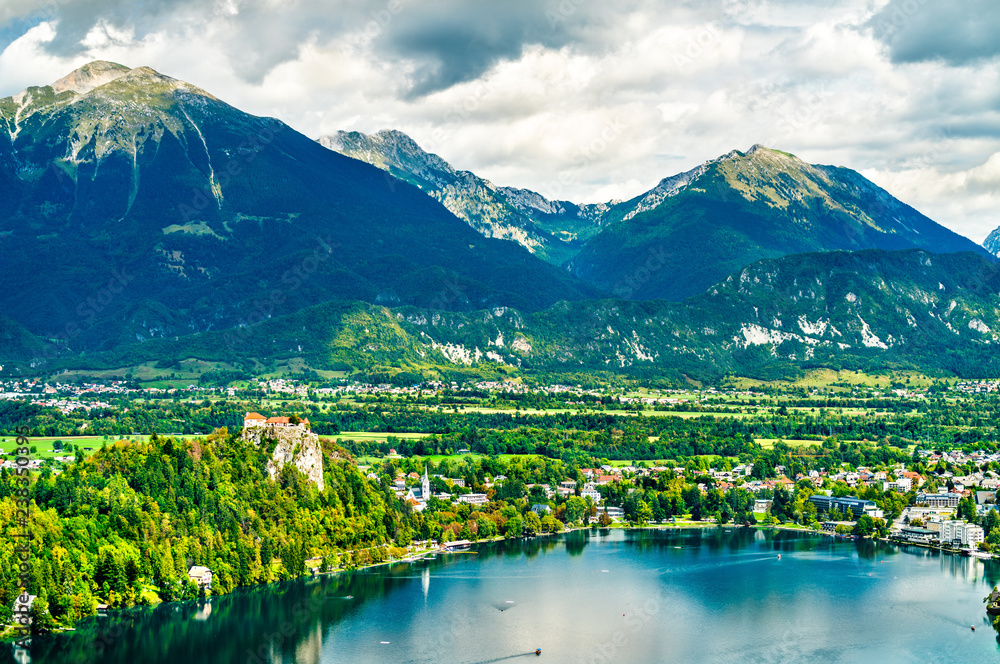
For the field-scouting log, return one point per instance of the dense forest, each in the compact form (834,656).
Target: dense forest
(124,526)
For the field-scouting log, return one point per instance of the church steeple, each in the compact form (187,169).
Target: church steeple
(425,485)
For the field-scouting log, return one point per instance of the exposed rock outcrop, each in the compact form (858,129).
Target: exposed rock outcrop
(296,445)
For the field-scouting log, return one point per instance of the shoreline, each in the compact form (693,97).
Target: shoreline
(441,549)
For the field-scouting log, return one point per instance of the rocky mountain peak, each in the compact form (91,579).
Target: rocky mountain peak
(89,76)
(146,74)
(992,242)
(112,81)
(396,137)
(745,206)
(761,155)
(146,81)
(553,229)
(758,162)
(391,150)
(764,150)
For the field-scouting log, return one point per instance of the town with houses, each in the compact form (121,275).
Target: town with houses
(71,396)
(931,519)
(950,505)
(68,396)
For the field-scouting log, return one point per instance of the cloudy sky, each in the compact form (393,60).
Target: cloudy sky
(582,99)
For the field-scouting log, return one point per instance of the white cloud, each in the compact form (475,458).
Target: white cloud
(23,64)
(972,196)
(531,105)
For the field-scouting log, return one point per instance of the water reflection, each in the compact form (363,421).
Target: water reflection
(567,591)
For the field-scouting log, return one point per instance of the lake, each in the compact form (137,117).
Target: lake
(598,596)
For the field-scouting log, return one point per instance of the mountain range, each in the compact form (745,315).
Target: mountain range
(554,230)
(762,203)
(138,206)
(144,219)
(871,309)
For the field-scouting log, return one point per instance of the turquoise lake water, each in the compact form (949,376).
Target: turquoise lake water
(605,596)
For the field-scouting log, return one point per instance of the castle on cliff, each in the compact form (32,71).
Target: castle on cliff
(258,420)
(292,442)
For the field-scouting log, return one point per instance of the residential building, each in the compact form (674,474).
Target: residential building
(856,506)
(831,526)
(901,485)
(785,483)
(613,512)
(938,499)
(21,611)
(959,533)
(253,420)
(922,535)
(202,576)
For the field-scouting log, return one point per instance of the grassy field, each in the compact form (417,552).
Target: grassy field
(188,371)
(768,443)
(43,446)
(620,463)
(692,415)
(644,393)
(438,458)
(824,378)
(185,373)
(377,436)
(298,364)
(89,444)
(509,411)
(813,410)
(574,411)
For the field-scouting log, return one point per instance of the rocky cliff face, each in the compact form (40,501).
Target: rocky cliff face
(553,230)
(293,445)
(992,242)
